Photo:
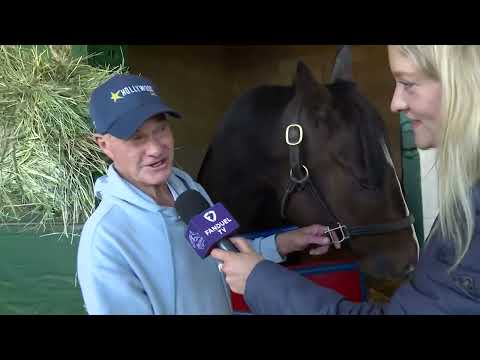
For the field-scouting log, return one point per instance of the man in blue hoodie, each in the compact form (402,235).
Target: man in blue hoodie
(133,257)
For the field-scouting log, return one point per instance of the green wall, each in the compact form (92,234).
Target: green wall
(412,176)
(37,275)
(102,55)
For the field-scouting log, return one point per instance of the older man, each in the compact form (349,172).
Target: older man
(133,257)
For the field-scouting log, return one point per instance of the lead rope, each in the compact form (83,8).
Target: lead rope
(390,162)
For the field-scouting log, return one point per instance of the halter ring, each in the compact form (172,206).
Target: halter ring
(294,179)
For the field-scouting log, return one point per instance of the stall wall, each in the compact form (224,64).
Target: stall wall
(202,81)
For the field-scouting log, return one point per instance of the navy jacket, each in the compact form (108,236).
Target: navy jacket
(273,289)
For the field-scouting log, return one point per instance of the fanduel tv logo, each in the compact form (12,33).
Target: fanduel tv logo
(210,216)
(208,227)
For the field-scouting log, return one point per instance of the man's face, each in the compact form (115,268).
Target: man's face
(146,158)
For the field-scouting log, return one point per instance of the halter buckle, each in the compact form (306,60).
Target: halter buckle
(300,137)
(337,234)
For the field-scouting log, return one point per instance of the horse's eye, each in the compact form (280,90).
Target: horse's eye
(320,111)
(319,114)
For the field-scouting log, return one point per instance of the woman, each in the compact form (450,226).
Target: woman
(436,88)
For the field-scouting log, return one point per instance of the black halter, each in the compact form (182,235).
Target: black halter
(300,177)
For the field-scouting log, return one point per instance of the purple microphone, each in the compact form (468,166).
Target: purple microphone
(208,227)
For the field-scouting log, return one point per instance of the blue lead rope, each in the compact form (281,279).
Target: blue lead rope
(269,232)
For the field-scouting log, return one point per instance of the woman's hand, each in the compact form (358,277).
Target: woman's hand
(237,266)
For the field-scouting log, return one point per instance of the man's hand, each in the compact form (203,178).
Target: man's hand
(300,239)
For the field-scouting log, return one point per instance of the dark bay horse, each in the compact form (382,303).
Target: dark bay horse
(314,153)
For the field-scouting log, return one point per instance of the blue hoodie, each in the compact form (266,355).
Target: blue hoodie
(133,257)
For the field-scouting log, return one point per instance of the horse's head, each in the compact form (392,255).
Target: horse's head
(343,169)
(249,166)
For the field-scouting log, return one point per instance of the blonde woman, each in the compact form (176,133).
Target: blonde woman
(438,89)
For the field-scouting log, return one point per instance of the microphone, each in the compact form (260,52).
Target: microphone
(208,227)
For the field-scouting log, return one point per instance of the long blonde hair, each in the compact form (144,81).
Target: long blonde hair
(457,68)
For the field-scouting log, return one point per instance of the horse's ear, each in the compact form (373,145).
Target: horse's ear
(342,69)
(304,79)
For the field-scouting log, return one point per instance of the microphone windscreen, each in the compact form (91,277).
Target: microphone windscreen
(189,204)
(207,226)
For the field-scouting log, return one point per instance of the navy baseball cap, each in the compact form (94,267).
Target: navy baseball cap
(123,103)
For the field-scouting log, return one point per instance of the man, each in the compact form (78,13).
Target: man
(133,257)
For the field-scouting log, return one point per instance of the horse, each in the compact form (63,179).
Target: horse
(313,153)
